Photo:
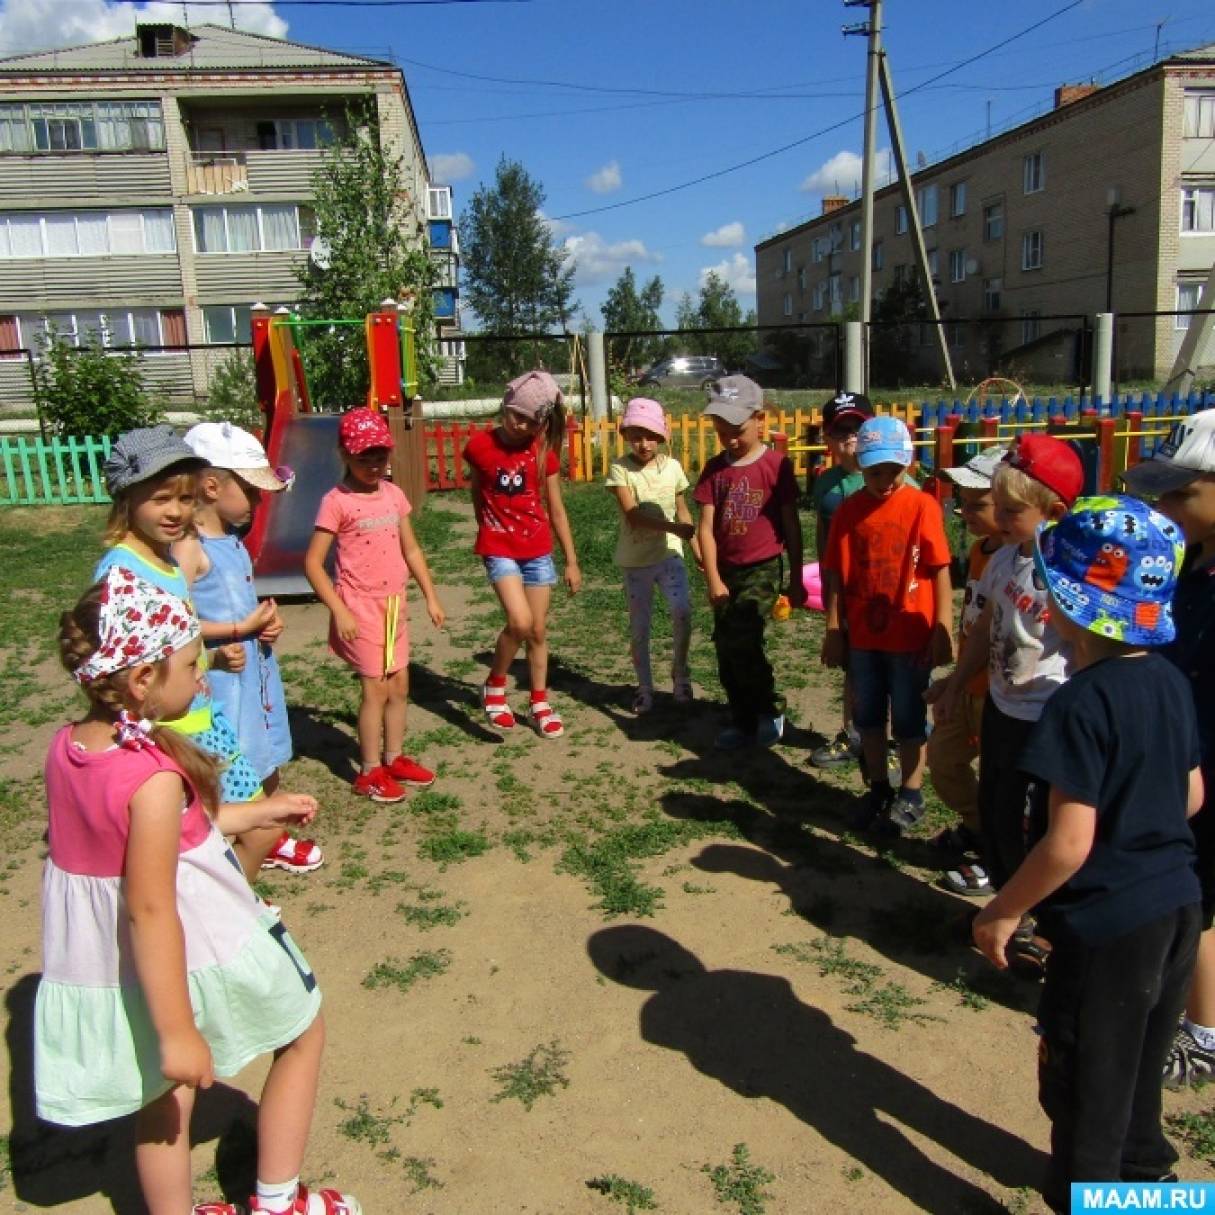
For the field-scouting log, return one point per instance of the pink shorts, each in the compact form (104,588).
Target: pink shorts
(371,653)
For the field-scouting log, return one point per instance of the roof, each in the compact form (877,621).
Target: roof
(215,48)
(1202,54)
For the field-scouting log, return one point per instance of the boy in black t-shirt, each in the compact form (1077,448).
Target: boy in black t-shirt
(1114,764)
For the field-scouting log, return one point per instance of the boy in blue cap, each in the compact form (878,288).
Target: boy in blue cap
(886,574)
(1113,763)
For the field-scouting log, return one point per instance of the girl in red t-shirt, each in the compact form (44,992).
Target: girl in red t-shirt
(519,509)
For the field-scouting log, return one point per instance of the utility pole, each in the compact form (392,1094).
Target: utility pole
(872,29)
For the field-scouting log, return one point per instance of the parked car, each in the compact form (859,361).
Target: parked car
(683,371)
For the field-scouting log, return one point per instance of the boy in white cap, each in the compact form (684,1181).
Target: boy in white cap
(1181,477)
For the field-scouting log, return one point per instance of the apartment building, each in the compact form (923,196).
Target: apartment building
(1019,229)
(153,188)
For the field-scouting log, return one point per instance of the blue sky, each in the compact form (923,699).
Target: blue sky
(601,132)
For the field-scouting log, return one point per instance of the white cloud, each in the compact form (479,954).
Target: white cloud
(33,25)
(738,270)
(725,237)
(605,180)
(595,260)
(842,173)
(557,227)
(448,167)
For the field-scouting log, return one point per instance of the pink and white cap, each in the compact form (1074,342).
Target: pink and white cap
(138,622)
(533,394)
(646,414)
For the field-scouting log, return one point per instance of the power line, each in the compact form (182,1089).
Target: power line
(835,126)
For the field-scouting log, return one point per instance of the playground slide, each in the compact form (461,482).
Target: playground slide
(309,446)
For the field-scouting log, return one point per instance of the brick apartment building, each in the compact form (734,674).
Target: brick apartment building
(1017,230)
(153,188)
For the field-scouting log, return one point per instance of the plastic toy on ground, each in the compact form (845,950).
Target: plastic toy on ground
(813,582)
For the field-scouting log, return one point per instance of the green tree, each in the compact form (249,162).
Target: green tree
(232,392)
(717,307)
(515,277)
(627,310)
(366,219)
(894,344)
(91,391)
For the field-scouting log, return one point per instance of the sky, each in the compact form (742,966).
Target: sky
(605,101)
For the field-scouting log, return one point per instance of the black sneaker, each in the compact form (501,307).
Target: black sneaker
(841,750)
(1188,1062)
(904,813)
(870,809)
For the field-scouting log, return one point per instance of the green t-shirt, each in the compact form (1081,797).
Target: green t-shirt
(655,487)
(830,489)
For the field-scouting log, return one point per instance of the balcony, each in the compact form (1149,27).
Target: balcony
(216,173)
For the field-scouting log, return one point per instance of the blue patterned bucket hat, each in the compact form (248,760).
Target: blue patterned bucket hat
(1111,565)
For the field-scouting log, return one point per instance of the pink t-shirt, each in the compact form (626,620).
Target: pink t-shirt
(88,797)
(747,501)
(368,531)
(510,511)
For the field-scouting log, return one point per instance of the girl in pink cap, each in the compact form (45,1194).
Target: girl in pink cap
(368,516)
(654,522)
(516,492)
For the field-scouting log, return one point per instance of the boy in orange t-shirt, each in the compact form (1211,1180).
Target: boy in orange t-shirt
(886,573)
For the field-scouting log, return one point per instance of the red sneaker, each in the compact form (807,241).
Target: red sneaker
(295,856)
(379,786)
(408,772)
(323,1202)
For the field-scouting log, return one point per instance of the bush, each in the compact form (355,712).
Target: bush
(232,392)
(89,391)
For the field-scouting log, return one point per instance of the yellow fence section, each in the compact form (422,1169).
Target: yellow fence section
(597,442)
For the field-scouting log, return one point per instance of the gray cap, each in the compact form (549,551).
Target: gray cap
(141,454)
(978,471)
(734,399)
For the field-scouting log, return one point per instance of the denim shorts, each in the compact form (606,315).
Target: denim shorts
(535,571)
(882,680)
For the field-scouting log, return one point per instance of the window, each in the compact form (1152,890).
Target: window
(788,305)
(835,238)
(1199,116)
(957,199)
(855,241)
(820,296)
(1189,298)
(1198,209)
(787,265)
(1031,327)
(992,289)
(111,328)
(934,265)
(819,248)
(1033,172)
(835,294)
(86,233)
(901,274)
(269,228)
(1031,249)
(854,288)
(926,200)
(227,323)
(993,221)
(801,278)
(303,134)
(957,265)
(81,126)
(900,219)
(439,202)
(878,258)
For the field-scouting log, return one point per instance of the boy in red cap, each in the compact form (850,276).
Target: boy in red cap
(1035,484)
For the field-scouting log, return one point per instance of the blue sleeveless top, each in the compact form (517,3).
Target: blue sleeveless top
(251,699)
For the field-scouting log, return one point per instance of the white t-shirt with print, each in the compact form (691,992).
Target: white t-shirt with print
(1025,660)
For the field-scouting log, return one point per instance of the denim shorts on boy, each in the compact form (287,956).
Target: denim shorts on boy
(535,571)
(879,678)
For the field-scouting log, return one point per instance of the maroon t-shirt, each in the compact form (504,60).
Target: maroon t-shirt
(747,500)
(512,519)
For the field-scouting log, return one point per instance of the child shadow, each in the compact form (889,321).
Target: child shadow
(453,701)
(314,734)
(53,1165)
(750,1032)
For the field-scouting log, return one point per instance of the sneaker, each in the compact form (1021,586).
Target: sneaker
(295,856)
(1188,1062)
(733,739)
(643,701)
(770,731)
(322,1202)
(406,771)
(683,692)
(543,718)
(904,813)
(493,702)
(842,749)
(870,809)
(378,785)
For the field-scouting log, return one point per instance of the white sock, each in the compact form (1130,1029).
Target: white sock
(1204,1035)
(277,1196)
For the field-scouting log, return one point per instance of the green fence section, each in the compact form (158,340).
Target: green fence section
(58,472)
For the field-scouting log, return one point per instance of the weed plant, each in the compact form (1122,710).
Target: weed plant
(740,1184)
(539,1074)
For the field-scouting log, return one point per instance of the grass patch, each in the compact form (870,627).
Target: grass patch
(632,1195)
(437,915)
(1197,1131)
(391,973)
(452,846)
(364,1125)
(418,1174)
(740,1184)
(539,1074)
(968,997)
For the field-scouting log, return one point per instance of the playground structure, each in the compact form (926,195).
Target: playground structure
(305,440)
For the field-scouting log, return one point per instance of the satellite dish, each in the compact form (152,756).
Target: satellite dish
(320,253)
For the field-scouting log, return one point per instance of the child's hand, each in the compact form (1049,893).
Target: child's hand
(834,651)
(796,593)
(345,623)
(258,619)
(573,577)
(943,697)
(940,647)
(286,809)
(274,630)
(718,591)
(697,555)
(230,658)
(992,932)
(438,617)
(185,1058)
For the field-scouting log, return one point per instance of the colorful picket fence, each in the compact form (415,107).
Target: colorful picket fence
(54,472)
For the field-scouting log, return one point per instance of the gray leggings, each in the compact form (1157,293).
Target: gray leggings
(671,577)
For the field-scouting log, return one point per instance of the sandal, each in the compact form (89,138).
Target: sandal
(493,701)
(643,701)
(544,719)
(971,880)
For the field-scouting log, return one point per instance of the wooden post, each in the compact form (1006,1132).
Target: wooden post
(1105,454)
(1134,440)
